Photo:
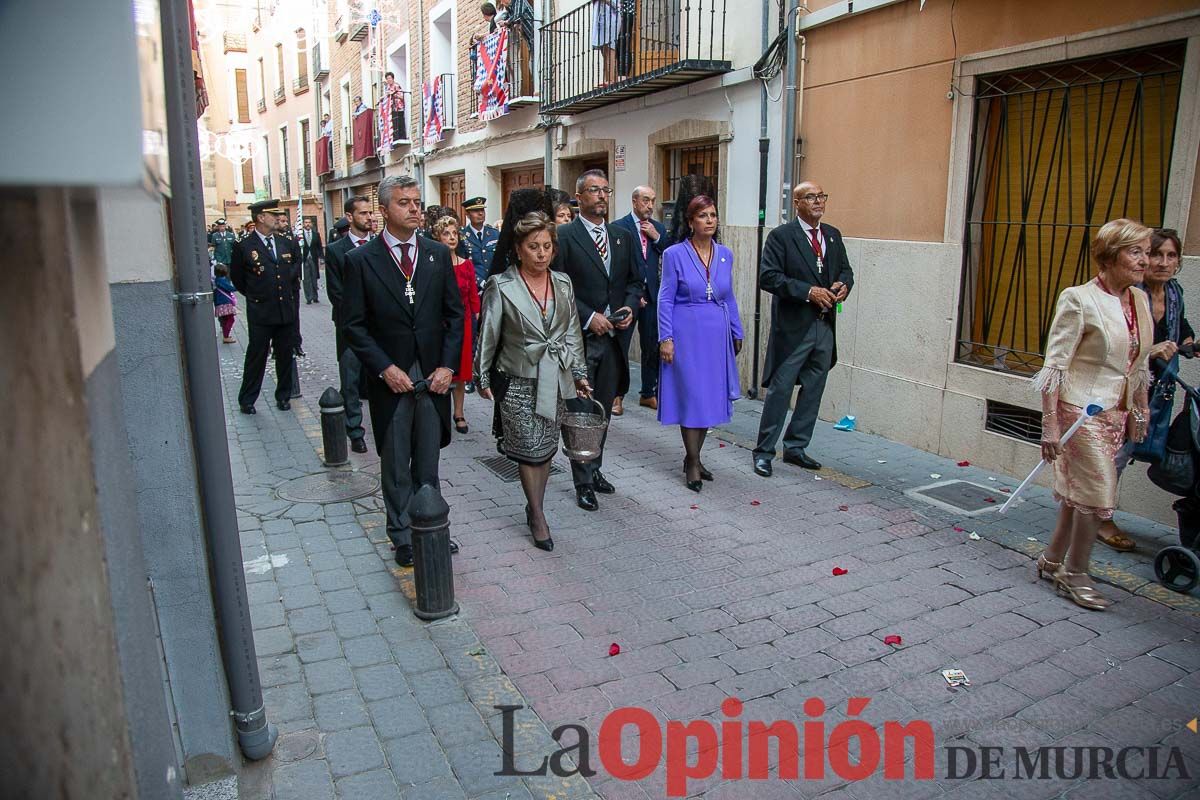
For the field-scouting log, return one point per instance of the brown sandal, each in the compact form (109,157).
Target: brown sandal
(1119,542)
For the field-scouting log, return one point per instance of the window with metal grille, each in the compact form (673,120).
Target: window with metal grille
(305,156)
(696,158)
(1057,151)
(1013,421)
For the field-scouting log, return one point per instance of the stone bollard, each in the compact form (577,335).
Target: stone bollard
(333,428)
(433,574)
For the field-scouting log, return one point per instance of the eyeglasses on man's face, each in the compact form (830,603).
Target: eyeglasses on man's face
(606,191)
(814,198)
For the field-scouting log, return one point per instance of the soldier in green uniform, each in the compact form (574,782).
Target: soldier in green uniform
(266,269)
(222,240)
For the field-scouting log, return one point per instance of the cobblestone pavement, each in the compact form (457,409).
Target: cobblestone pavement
(726,593)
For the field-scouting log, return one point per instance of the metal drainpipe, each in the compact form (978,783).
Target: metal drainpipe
(255,735)
(764,149)
(419,157)
(790,103)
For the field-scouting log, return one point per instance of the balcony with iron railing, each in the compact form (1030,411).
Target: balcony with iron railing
(592,58)
(262,105)
(520,86)
(447,108)
(320,68)
(285,185)
(400,120)
(266,189)
(304,180)
(280,95)
(300,85)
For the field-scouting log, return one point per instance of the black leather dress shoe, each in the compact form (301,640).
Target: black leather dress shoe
(801,459)
(248,410)
(300,352)
(358,445)
(404,555)
(601,484)
(762,466)
(284,405)
(453,547)
(586,498)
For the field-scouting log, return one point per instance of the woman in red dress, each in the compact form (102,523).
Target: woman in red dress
(445,230)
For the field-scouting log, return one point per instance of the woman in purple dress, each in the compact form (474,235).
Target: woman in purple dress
(700,334)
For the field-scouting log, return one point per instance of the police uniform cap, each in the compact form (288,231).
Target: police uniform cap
(475,204)
(221,221)
(573,203)
(341,225)
(271,206)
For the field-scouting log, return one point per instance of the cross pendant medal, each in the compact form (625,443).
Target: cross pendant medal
(708,295)
(820,264)
(409,293)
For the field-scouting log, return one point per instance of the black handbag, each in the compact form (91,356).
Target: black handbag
(1176,471)
(1153,448)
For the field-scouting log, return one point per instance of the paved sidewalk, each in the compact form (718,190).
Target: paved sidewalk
(726,593)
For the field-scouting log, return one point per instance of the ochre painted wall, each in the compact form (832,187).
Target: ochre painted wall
(876,124)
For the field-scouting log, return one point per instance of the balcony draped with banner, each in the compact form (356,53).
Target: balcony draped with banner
(364,135)
(491,79)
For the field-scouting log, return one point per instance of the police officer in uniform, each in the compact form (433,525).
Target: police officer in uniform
(222,240)
(477,239)
(266,269)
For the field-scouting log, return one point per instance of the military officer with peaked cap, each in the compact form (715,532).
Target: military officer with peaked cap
(477,239)
(266,269)
(222,240)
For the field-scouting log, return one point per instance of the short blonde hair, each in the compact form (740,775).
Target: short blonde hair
(531,223)
(442,224)
(1115,236)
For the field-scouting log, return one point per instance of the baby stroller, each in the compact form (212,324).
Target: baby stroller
(1178,472)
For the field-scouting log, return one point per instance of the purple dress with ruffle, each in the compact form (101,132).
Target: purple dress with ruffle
(697,390)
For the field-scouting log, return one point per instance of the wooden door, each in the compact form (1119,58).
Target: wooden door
(522,178)
(453,191)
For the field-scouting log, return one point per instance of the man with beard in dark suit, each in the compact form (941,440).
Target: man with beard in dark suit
(805,266)
(404,321)
(358,210)
(311,253)
(598,257)
(266,269)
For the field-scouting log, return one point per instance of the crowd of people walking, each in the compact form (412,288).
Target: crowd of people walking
(539,315)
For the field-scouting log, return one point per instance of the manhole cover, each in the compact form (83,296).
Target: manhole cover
(508,471)
(961,497)
(295,746)
(329,487)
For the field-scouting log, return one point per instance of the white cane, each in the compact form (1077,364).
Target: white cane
(1090,410)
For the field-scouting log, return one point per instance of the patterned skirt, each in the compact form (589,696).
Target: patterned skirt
(1085,475)
(528,438)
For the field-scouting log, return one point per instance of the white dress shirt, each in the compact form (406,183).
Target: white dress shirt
(808,229)
(392,242)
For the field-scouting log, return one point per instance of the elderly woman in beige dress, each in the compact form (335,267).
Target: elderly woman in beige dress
(1097,351)
(529,331)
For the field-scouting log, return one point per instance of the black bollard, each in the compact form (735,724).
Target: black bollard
(295,379)
(432,573)
(333,428)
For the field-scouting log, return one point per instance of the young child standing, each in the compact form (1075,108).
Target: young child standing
(224,302)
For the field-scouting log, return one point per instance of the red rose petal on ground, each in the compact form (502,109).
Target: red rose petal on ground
(1006,491)
(843,508)
(839,571)
(989,499)
(694,507)
(755,503)
(892,639)
(964,463)
(959,530)
(614,649)
(721,444)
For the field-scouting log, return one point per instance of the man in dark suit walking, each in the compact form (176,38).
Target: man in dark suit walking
(805,266)
(265,267)
(311,253)
(404,321)
(358,210)
(650,240)
(598,257)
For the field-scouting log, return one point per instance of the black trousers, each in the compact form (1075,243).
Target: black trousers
(647,325)
(809,366)
(311,280)
(409,457)
(350,372)
(279,339)
(604,360)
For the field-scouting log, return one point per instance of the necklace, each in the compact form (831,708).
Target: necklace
(544,303)
(1129,313)
(708,290)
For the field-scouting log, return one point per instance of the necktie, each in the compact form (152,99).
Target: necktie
(360,242)
(816,243)
(406,264)
(601,243)
(271,247)
(642,236)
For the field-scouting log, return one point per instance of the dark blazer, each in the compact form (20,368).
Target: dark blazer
(650,265)
(383,328)
(270,285)
(335,262)
(789,270)
(316,249)
(596,289)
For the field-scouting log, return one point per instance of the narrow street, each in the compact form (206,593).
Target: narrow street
(736,592)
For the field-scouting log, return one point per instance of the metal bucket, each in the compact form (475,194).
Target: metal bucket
(583,433)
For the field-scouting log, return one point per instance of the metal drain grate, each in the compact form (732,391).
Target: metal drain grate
(961,497)
(509,471)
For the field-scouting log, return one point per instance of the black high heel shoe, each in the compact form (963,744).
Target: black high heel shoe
(695,485)
(546,544)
